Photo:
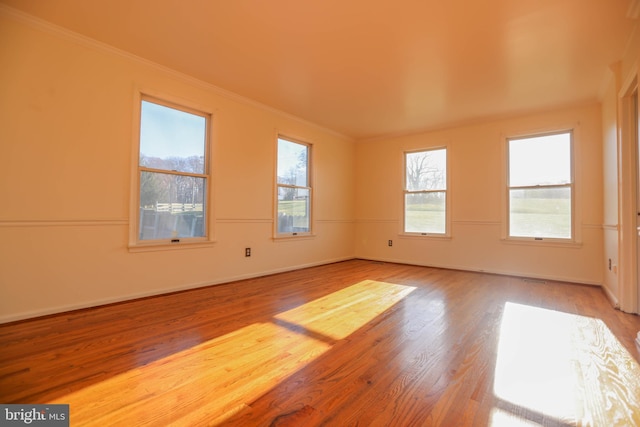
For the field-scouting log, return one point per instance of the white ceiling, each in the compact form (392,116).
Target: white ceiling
(367,68)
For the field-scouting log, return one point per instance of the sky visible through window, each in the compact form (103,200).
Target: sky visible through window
(541,160)
(289,159)
(426,170)
(540,192)
(166,132)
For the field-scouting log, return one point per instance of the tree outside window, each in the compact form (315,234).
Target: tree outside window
(425,192)
(173,172)
(294,188)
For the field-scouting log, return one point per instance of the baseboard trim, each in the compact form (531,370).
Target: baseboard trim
(490,271)
(611,297)
(115,300)
(106,301)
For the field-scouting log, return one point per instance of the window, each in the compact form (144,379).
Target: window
(294,188)
(173,172)
(425,191)
(541,186)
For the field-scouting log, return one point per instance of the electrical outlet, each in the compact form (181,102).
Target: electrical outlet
(247,252)
(609,264)
(390,242)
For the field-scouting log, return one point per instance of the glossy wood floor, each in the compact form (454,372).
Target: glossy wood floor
(352,343)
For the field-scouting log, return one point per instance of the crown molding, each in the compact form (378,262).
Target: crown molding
(80,39)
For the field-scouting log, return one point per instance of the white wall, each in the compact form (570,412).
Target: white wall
(620,174)
(477,185)
(610,186)
(66,150)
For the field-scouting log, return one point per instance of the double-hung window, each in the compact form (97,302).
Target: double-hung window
(540,186)
(294,190)
(173,172)
(425,192)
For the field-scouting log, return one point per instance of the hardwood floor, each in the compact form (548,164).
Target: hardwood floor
(352,343)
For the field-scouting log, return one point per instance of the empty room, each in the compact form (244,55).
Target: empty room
(256,213)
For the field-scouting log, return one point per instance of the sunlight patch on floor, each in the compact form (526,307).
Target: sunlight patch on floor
(214,380)
(343,312)
(564,368)
(500,418)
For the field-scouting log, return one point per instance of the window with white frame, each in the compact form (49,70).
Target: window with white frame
(425,191)
(173,172)
(540,181)
(294,192)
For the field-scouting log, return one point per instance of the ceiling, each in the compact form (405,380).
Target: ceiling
(368,68)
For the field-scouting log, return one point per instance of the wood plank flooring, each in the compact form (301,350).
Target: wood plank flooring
(351,343)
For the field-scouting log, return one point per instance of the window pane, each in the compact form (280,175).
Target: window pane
(292,163)
(543,160)
(540,212)
(171,139)
(426,170)
(425,212)
(293,210)
(171,206)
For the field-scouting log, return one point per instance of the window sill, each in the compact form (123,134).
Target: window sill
(289,237)
(425,236)
(162,246)
(549,242)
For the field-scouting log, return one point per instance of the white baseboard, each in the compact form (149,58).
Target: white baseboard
(186,287)
(611,297)
(491,271)
(219,281)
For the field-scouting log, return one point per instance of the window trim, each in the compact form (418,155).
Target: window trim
(310,187)
(576,234)
(135,243)
(446,191)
